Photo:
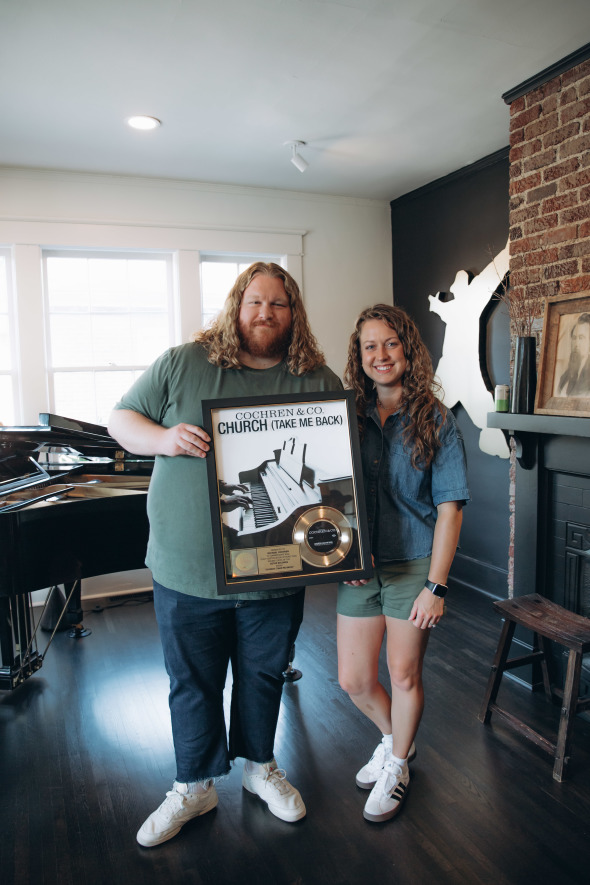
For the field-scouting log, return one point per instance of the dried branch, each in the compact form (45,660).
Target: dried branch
(523,307)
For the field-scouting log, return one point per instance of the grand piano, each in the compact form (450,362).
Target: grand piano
(72,506)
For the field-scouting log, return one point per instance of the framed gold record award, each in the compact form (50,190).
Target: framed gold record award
(285,491)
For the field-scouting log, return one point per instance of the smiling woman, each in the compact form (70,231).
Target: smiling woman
(415,486)
(383,361)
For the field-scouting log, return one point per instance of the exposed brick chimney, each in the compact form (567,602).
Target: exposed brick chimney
(549,192)
(550,185)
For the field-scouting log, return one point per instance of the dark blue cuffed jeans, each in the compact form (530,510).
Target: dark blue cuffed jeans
(199,638)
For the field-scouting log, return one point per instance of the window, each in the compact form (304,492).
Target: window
(108,316)
(7,360)
(218,274)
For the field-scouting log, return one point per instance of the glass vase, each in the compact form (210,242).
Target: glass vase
(524,376)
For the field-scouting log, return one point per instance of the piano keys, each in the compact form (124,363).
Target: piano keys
(280,487)
(77,509)
(262,512)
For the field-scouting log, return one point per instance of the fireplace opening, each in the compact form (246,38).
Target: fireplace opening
(577,568)
(567,542)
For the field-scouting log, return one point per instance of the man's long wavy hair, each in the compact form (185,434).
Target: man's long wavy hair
(222,341)
(420,405)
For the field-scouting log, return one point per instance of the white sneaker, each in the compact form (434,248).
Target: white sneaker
(388,794)
(178,807)
(367,777)
(271,784)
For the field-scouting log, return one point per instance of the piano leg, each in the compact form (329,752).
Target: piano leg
(20,657)
(64,612)
(290,674)
(74,613)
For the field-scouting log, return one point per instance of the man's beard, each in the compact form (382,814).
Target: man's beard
(256,345)
(575,362)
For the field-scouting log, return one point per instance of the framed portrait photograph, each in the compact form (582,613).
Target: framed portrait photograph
(564,371)
(285,491)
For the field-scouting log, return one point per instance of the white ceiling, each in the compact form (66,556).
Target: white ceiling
(388,94)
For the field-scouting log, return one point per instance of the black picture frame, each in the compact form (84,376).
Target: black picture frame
(303,450)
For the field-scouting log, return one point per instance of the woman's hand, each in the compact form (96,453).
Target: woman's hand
(364,580)
(427,610)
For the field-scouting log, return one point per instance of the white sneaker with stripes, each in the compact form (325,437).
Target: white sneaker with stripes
(388,794)
(368,775)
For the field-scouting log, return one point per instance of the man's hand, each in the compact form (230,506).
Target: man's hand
(142,436)
(185,439)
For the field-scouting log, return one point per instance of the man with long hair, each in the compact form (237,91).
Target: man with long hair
(575,381)
(261,343)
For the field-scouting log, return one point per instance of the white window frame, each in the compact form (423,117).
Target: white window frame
(29,238)
(171,313)
(12,373)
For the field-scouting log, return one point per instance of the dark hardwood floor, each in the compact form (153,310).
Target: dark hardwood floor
(86,755)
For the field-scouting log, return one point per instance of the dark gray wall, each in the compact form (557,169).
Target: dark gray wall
(459,223)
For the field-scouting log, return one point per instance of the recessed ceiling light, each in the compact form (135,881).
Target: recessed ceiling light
(143,122)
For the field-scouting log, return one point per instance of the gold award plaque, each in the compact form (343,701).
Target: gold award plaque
(324,536)
(281,558)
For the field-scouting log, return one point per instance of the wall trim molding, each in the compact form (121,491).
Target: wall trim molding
(188,186)
(554,70)
(484,577)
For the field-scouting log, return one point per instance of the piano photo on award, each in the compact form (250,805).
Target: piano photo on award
(285,489)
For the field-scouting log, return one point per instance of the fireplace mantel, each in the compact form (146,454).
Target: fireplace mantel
(554,425)
(544,437)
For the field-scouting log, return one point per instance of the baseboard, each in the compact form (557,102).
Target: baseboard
(481,576)
(105,586)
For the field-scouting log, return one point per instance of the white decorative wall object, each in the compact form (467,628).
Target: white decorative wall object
(459,369)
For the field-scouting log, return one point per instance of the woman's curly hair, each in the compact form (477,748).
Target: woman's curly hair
(420,405)
(222,341)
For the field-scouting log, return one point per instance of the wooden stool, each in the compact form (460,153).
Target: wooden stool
(548,621)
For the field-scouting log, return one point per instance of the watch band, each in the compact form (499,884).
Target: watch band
(437,589)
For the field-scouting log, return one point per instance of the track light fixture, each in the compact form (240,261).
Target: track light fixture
(296,157)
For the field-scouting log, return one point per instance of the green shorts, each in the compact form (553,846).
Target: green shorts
(392,591)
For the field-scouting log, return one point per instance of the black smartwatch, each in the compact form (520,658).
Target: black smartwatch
(437,589)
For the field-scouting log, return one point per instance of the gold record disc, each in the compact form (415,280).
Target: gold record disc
(324,536)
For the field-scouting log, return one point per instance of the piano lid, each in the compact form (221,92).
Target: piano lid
(48,441)
(54,430)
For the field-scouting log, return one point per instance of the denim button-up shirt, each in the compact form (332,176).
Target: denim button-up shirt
(401,499)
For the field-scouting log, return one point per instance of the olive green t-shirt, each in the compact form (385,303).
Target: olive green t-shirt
(171,391)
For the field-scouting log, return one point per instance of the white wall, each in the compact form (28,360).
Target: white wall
(346,262)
